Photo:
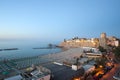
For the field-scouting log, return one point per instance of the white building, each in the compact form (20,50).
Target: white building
(17,77)
(76,67)
(116,43)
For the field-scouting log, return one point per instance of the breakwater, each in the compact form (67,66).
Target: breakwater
(8,49)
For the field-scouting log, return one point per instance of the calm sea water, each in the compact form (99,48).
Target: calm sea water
(25,49)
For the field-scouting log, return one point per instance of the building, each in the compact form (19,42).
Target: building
(81,42)
(103,41)
(16,77)
(92,52)
(88,68)
(36,73)
(112,41)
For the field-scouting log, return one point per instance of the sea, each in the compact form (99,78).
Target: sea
(25,49)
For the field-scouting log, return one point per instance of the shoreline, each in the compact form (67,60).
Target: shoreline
(23,53)
(44,59)
(52,55)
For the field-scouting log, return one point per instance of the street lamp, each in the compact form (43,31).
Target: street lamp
(76,78)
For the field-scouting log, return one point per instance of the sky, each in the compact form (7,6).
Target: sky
(58,19)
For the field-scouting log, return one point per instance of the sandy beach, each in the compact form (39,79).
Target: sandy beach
(22,63)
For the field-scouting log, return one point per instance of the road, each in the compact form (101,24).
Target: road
(110,74)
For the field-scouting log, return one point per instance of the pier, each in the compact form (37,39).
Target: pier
(8,49)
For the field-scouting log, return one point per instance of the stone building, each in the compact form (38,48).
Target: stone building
(103,41)
(81,42)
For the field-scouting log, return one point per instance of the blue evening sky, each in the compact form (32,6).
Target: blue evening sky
(58,19)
